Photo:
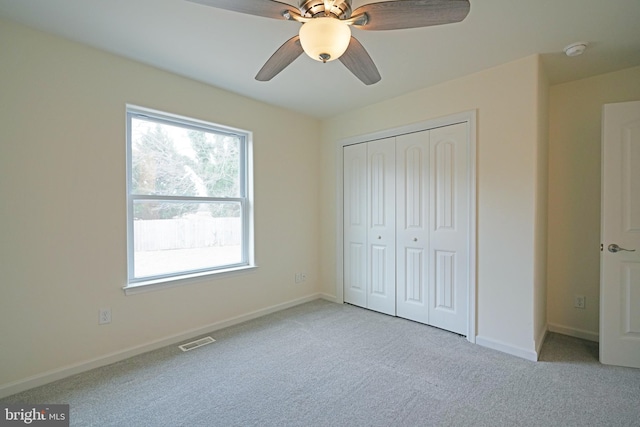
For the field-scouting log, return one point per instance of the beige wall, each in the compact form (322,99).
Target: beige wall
(574,196)
(508,144)
(62,209)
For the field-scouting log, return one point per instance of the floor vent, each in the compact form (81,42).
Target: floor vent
(197,343)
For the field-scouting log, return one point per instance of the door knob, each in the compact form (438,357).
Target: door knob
(615,248)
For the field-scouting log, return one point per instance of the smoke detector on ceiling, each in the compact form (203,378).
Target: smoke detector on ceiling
(575,49)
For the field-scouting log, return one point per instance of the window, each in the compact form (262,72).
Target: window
(189,199)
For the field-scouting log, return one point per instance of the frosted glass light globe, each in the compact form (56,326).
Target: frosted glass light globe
(325,39)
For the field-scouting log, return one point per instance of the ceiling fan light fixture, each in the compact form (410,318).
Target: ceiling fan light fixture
(325,38)
(325,33)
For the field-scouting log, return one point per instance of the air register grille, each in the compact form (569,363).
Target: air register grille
(195,344)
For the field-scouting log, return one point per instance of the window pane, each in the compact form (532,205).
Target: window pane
(172,237)
(172,160)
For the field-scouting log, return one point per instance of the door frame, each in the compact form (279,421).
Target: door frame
(468,117)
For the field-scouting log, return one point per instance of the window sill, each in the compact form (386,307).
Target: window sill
(172,282)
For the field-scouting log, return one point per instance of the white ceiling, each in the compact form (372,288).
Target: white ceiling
(226,49)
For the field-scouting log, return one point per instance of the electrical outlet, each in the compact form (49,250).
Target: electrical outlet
(579,301)
(300,277)
(104,316)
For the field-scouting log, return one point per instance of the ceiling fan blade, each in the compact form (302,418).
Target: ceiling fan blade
(395,15)
(266,8)
(358,61)
(285,55)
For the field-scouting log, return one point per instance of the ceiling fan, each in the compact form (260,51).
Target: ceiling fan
(325,34)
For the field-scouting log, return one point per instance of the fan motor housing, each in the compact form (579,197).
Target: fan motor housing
(311,8)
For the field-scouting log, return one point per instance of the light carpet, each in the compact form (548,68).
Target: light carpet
(325,364)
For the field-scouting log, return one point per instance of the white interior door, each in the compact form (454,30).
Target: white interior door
(620,256)
(412,225)
(355,224)
(381,240)
(449,224)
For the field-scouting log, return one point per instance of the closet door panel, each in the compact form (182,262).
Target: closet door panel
(412,225)
(449,228)
(355,224)
(381,256)
(406,226)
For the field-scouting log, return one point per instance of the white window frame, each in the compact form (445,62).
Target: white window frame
(136,285)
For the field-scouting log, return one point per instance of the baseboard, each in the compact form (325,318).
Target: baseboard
(574,332)
(507,348)
(540,341)
(69,370)
(327,297)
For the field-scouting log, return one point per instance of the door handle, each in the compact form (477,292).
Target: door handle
(613,248)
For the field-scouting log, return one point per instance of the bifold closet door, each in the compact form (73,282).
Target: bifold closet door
(449,228)
(369,225)
(355,224)
(407,225)
(381,238)
(433,227)
(412,225)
